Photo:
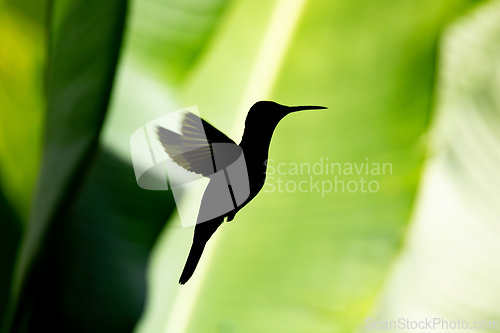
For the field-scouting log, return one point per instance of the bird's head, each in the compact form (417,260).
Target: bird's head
(271,112)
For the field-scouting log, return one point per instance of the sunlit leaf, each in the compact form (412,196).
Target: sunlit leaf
(448,269)
(20,105)
(167,37)
(81,66)
(304,262)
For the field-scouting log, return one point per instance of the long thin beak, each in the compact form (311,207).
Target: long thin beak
(305,107)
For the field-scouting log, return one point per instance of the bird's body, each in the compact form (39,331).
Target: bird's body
(260,123)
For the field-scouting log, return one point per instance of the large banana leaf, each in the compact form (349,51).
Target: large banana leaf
(81,66)
(449,267)
(304,262)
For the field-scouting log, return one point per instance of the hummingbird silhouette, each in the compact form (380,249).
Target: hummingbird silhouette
(204,150)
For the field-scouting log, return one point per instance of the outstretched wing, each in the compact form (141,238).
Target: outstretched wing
(201,148)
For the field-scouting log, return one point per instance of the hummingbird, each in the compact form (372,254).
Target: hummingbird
(203,149)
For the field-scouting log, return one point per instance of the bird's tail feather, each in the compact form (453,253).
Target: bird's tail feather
(192,261)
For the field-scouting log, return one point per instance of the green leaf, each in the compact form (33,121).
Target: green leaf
(168,37)
(449,265)
(95,278)
(304,262)
(21,107)
(86,39)
(164,42)
(20,126)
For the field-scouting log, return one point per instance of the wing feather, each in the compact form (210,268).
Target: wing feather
(199,147)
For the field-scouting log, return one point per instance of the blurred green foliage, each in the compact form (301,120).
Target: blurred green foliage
(78,77)
(82,57)
(448,265)
(168,37)
(21,68)
(21,112)
(300,262)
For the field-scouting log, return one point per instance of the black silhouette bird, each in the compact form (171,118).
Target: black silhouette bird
(203,149)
